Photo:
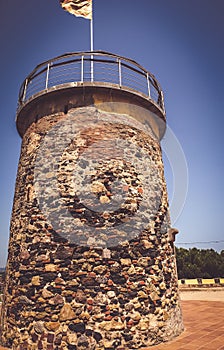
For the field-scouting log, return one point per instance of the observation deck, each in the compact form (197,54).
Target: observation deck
(88,78)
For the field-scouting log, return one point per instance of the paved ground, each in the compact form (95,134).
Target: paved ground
(204,325)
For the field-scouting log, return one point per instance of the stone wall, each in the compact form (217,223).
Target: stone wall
(91,260)
(1,281)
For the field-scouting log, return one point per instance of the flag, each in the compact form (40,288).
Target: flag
(79,8)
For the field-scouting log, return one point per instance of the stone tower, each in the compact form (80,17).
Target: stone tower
(91,261)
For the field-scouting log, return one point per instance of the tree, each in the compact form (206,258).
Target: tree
(199,263)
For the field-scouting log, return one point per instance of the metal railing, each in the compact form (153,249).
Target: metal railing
(96,66)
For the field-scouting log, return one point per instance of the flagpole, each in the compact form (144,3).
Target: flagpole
(91,43)
(91,34)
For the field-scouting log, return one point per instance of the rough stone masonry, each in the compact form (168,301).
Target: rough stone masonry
(91,261)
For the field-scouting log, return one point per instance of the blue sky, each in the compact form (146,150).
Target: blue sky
(180,42)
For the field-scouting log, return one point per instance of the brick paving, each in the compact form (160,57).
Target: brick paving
(204,327)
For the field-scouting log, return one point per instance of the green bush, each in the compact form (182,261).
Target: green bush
(199,263)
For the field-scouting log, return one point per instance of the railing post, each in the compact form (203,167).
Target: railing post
(119,70)
(148,85)
(92,64)
(24,90)
(162,101)
(82,69)
(47,76)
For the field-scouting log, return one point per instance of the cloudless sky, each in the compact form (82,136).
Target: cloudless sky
(179,41)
